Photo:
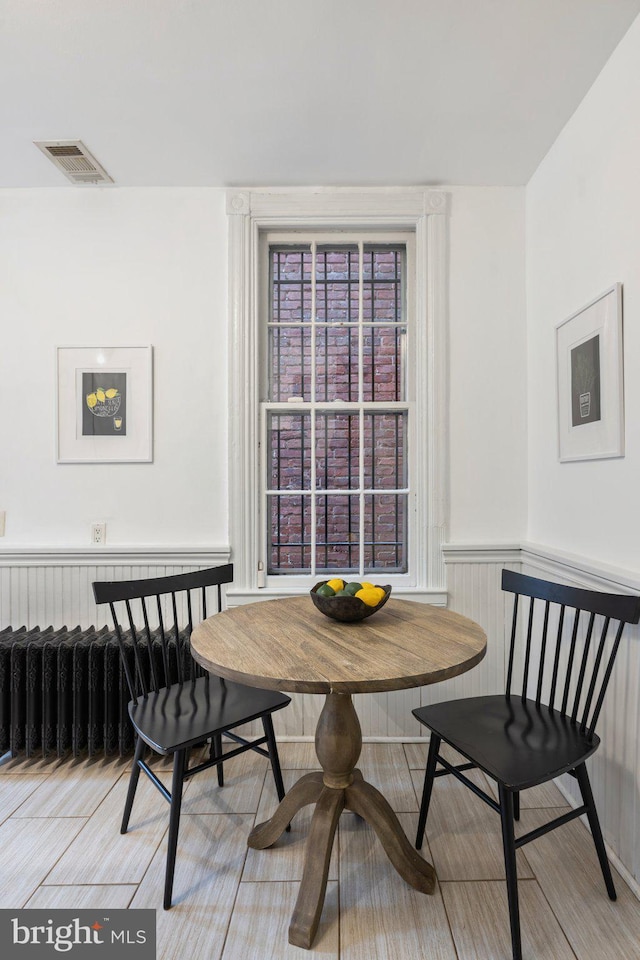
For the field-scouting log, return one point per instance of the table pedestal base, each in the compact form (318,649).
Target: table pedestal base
(340,787)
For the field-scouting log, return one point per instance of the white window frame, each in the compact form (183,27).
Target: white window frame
(252,215)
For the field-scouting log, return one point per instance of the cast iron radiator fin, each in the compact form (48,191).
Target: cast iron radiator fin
(64,691)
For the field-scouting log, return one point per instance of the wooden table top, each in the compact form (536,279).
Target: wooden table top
(289,645)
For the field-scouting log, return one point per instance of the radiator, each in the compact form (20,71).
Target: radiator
(63,691)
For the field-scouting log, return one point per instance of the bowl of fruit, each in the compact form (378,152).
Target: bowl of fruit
(348,601)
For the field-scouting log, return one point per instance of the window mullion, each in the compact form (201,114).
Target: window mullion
(361,501)
(314,365)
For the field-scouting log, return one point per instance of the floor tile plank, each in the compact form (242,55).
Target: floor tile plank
(14,790)
(243,782)
(464,834)
(380,914)
(28,851)
(76,790)
(211,854)
(259,927)
(569,874)
(78,897)
(479,919)
(385,766)
(101,854)
(298,756)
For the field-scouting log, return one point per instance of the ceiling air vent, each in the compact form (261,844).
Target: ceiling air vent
(75,161)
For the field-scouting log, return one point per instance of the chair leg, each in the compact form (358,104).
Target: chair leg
(216,751)
(516,805)
(429,773)
(179,767)
(133,783)
(267,723)
(592,815)
(508,842)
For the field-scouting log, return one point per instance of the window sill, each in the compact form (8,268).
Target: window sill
(236,598)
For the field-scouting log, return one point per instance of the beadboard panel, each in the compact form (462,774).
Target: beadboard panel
(40,594)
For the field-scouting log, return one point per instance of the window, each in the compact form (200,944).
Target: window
(338,452)
(336,418)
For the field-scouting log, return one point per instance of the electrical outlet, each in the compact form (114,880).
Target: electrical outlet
(98,533)
(3,517)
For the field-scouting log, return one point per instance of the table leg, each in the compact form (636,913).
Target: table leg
(365,800)
(306,790)
(339,786)
(308,908)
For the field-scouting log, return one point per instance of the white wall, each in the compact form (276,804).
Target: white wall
(583,234)
(136,266)
(487,366)
(115,267)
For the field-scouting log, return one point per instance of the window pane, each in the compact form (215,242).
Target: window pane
(382,285)
(289,363)
(289,546)
(383,363)
(289,439)
(385,454)
(290,285)
(337,451)
(385,533)
(337,533)
(337,284)
(336,363)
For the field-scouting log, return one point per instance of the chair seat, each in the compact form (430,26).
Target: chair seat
(189,712)
(513,741)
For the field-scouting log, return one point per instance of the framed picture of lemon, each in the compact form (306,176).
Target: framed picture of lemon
(104,412)
(104,404)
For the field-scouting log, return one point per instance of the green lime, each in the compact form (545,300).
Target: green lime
(352,588)
(325,591)
(343,593)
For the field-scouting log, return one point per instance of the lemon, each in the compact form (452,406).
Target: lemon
(366,584)
(100,394)
(370,595)
(111,393)
(91,400)
(336,584)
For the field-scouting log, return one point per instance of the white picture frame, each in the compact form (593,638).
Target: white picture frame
(104,410)
(590,384)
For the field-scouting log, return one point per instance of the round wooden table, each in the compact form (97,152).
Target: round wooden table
(288,645)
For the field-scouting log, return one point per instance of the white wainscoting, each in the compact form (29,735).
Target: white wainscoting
(39,587)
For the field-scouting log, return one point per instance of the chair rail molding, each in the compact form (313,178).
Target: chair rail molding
(113,555)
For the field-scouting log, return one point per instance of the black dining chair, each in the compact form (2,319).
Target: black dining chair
(175,705)
(566,640)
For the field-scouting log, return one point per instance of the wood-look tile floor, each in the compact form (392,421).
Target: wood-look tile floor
(60,846)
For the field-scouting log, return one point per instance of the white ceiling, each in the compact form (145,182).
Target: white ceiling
(297,92)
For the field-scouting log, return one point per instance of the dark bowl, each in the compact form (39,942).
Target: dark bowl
(346,609)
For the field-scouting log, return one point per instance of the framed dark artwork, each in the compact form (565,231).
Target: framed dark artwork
(590,380)
(104,411)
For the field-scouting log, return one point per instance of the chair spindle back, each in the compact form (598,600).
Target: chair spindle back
(579,680)
(154,638)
